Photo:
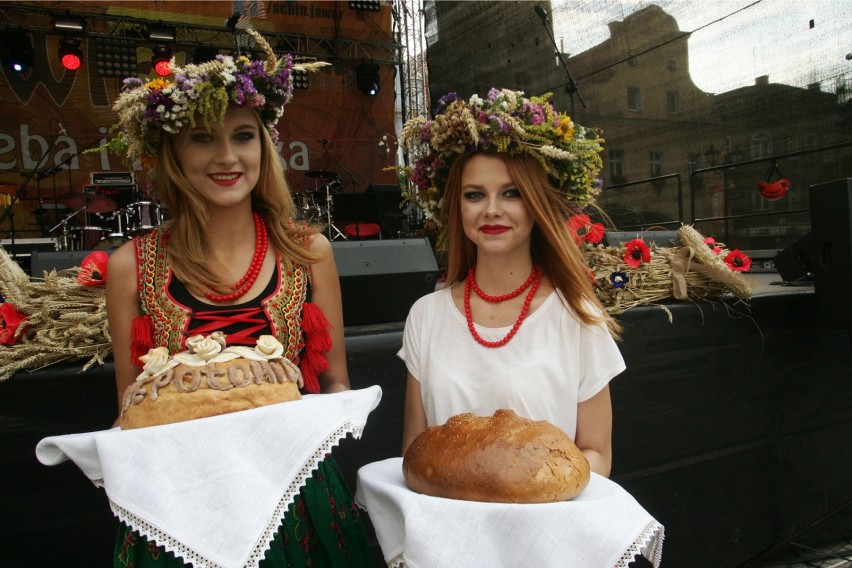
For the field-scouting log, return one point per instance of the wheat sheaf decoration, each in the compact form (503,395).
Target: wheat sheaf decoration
(50,320)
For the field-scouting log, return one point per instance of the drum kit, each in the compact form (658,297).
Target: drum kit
(317,205)
(105,225)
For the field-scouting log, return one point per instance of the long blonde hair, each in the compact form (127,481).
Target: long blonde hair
(552,247)
(188,251)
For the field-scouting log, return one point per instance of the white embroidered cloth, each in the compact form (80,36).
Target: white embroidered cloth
(214,490)
(603,527)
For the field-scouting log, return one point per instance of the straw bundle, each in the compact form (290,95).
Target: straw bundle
(688,272)
(65,321)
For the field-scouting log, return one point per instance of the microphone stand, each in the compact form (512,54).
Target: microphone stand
(571,85)
(21,191)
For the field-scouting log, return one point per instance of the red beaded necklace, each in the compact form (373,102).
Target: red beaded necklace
(470,282)
(244,284)
(503,297)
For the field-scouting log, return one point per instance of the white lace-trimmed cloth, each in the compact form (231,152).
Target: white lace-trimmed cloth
(214,490)
(603,527)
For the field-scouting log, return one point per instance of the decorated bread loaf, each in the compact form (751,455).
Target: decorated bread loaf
(502,458)
(208,379)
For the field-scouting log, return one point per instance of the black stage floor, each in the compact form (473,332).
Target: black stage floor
(731,426)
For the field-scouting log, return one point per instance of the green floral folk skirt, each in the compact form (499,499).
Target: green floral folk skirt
(322,528)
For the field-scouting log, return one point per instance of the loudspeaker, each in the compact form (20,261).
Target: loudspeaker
(796,262)
(46,261)
(380,280)
(388,200)
(831,228)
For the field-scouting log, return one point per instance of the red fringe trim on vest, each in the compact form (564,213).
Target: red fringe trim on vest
(141,338)
(316,328)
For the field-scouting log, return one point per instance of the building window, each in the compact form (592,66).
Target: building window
(634,99)
(693,161)
(672,102)
(655,163)
(760,145)
(616,166)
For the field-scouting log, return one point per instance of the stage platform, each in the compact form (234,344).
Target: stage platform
(731,426)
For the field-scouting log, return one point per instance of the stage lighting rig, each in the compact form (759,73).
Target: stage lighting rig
(365,5)
(367,78)
(115,57)
(70,54)
(69,24)
(16,51)
(300,79)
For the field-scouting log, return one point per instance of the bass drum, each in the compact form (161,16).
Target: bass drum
(143,216)
(84,238)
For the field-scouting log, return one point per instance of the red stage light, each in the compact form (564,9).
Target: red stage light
(70,53)
(71,61)
(163,68)
(161,61)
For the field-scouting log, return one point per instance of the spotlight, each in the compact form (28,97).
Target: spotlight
(367,78)
(300,79)
(204,53)
(70,53)
(368,5)
(161,61)
(16,52)
(115,57)
(161,33)
(68,24)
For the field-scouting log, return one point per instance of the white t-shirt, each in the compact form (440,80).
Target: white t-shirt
(552,363)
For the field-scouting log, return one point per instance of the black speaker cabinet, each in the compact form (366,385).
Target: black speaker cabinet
(831,229)
(46,261)
(380,280)
(795,263)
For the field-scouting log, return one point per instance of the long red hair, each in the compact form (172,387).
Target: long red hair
(552,247)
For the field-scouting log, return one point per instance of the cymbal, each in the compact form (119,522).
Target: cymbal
(320,174)
(93,202)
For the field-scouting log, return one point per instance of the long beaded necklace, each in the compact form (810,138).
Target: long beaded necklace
(244,284)
(470,282)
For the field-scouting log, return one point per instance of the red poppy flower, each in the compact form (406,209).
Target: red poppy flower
(636,252)
(711,243)
(737,260)
(10,320)
(582,229)
(93,269)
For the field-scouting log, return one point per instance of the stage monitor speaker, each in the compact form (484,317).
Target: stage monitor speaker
(46,261)
(380,280)
(831,228)
(795,263)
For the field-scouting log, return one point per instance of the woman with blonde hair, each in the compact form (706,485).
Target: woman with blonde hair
(231,259)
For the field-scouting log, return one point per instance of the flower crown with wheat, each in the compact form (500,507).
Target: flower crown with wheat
(505,122)
(202,93)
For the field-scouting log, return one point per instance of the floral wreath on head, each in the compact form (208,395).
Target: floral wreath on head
(505,122)
(202,93)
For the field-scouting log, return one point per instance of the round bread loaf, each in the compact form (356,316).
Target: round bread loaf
(208,380)
(502,458)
